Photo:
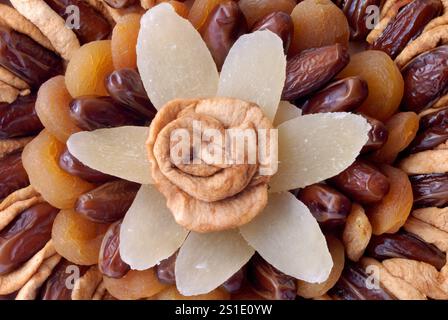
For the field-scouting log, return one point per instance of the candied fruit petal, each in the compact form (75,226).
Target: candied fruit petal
(288,236)
(88,68)
(316,147)
(207,260)
(149,233)
(173,60)
(286,111)
(255,70)
(119,152)
(40,159)
(52,107)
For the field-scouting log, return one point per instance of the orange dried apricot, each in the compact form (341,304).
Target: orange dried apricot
(52,107)
(134,285)
(402,128)
(200,10)
(383,79)
(180,7)
(254,10)
(124,40)
(76,238)
(40,159)
(390,214)
(318,23)
(88,68)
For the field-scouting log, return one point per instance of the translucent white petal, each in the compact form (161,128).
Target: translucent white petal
(120,152)
(149,233)
(172,58)
(255,70)
(286,111)
(315,147)
(207,260)
(287,235)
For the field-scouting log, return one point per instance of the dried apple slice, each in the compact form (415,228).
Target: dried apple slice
(149,233)
(316,147)
(172,58)
(118,151)
(206,260)
(286,111)
(288,236)
(255,70)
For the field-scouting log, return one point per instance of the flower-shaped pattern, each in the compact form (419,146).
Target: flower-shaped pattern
(175,63)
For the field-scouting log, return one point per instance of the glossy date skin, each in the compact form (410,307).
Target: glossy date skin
(95,112)
(341,96)
(19,118)
(92,25)
(405,245)
(107,203)
(433,131)
(362,182)
(110,262)
(235,282)
(279,23)
(357,15)
(165,270)
(26,58)
(377,135)
(126,87)
(25,236)
(311,69)
(430,190)
(270,283)
(12,174)
(407,25)
(425,79)
(328,206)
(224,25)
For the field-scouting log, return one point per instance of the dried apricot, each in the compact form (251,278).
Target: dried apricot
(124,40)
(402,128)
(88,68)
(171,293)
(200,10)
(76,238)
(41,162)
(391,213)
(318,23)
(254,10)
(383,79)
(52,107)
(134,285)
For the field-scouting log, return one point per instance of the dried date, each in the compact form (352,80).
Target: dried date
(377,135)
(110,262)
(433,131)
(279,23)
(357,16)
(430,190)
(165,270)
(12,174)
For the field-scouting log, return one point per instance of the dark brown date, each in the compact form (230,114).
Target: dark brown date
(279,23)
(92,25)
(235,282)
(11,296)
(362,182)
(311,69)
(407,25)
(222,28)
(25,236)
(328,206)
(19,118)
(26,58)
(110,263)
(430,190)
(165,270)
(70,164)
(12,174)
(405,245)
(57,286)
(269,282)
(107,203)
(377,135)
(120,4)
(433,131)
(352,285)
(425,79)
(343,95)
(126,87)
(94,112)
(357,15)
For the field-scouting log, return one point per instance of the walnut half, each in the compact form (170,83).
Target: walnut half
(204,194)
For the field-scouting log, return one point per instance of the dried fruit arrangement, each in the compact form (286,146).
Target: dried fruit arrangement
(123,175)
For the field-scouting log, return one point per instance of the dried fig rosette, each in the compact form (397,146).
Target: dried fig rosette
(197,207)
